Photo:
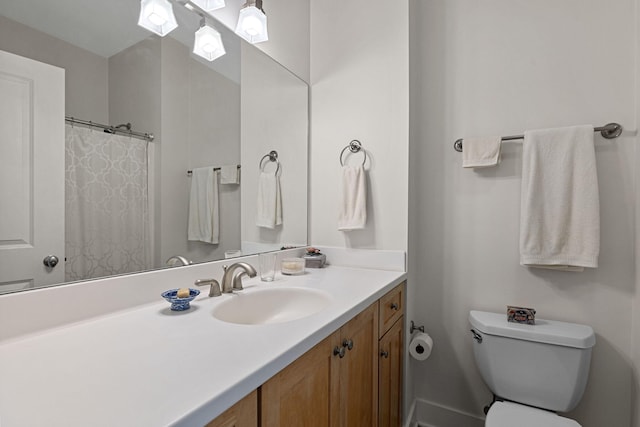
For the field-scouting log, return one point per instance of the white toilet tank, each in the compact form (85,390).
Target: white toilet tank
(545,365)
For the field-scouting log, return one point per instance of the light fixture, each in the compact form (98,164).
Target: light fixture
(209,5)
(252,22)
(157,16)
(208,43)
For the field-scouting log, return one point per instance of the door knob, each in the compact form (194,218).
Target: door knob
(339,351)
(348,344)
(50,261)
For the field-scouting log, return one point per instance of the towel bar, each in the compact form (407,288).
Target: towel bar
(190,172)
(608,131)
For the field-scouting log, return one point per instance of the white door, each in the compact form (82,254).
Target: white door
(31,172)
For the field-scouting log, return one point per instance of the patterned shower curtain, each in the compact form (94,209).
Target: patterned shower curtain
(107,204)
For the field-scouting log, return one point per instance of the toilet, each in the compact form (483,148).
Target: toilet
(533,371)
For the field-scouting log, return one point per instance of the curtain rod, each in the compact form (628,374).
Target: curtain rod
(112,129)
(608,131)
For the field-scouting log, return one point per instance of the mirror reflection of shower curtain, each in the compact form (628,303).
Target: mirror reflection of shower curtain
(107,204)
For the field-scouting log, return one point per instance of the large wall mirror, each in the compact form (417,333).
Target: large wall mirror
(106,204)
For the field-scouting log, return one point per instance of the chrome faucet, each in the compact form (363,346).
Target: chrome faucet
(231,281)
(177,259)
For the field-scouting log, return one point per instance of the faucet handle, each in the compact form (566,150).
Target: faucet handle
(214,290)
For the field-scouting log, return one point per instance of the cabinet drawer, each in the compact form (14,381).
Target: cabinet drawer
(391,308)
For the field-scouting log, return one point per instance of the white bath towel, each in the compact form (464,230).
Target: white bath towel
(269,203)
(481,152)
(229,174)
(560,209)
(204,223)
(353,209)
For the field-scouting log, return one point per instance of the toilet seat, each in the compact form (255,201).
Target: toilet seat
(508,414)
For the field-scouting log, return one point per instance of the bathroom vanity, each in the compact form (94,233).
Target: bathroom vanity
(144,365)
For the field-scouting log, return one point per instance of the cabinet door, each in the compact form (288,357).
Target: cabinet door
(390,376)
(357,399)
(299,394)
(242,414)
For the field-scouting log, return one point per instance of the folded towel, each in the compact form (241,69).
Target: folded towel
(204,223)
(229,174)
(353,209)
(560,209)
(269,204)
(481,152)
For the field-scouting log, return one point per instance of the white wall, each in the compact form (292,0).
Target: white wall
(196,132)
(360,90)
(288,26)
(500,67)
(275,116)
(86,77)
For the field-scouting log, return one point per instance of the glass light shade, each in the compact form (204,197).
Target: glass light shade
(208,43)
(157,17)
(209,5)
(252,25)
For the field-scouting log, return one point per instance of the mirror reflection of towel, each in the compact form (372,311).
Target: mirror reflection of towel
(353,209)
(204,221)
(269,203)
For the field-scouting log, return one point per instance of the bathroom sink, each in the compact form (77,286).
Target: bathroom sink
(273,305)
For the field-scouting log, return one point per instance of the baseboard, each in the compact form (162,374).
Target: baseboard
(429,414)
(410,418)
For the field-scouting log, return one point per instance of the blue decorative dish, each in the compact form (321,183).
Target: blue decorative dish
(180,304)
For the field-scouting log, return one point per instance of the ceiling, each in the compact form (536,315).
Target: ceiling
(104,27)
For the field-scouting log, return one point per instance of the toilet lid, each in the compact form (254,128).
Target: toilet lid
(507,414)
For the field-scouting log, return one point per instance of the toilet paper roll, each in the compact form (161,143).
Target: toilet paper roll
(420,346)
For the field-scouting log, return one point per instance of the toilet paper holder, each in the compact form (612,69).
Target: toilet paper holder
(413,328)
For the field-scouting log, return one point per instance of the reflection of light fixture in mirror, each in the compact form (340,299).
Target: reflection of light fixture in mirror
(208,43)
(252,22)
(157,16)
(209,5)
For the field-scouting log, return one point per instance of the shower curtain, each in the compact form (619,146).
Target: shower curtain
(107,204)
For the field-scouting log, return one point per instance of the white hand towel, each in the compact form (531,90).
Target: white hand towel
(204,223)
(269,203)
(229,174)
(481,152)
(353,209)
(560,208)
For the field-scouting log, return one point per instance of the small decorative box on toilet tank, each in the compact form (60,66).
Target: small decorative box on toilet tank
(523,315)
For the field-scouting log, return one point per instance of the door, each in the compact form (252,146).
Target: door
(31,172)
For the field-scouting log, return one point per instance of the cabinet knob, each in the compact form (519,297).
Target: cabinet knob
(339,351)
(348,344)
(394,306)
(384,354)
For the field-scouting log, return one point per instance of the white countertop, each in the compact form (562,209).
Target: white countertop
(149,366)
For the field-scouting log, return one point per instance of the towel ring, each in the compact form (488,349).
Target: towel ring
(273,157)
(354,146)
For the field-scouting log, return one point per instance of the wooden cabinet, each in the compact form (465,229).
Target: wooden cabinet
(355,395)
(333,384)
(390,376)
(242,414)
(391,353)
(351,379)
(299,394)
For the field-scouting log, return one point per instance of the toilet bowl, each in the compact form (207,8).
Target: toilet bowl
(508,414)
(532,370)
